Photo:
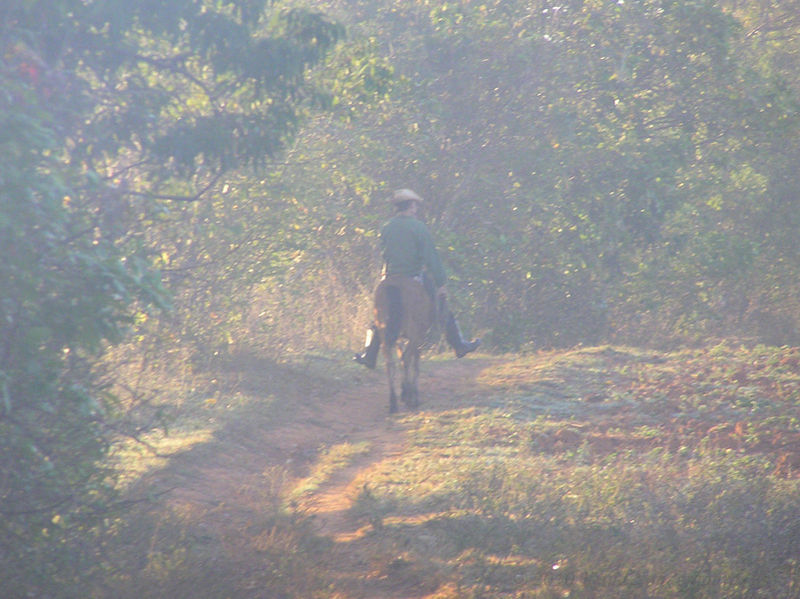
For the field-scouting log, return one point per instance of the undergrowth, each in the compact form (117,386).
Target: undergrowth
(603,473)
(609,473)
(242,545)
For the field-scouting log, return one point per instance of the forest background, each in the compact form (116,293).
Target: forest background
(184,180)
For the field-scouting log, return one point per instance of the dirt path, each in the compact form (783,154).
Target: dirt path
(358,417)
(226,481)
(316,433)
(355,554)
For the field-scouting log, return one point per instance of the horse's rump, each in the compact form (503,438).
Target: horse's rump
(403,308)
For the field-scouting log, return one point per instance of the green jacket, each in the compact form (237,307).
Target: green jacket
(408,247)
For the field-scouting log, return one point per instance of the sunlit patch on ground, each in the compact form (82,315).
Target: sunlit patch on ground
(548,475)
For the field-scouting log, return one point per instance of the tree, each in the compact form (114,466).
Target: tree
(596,170)
(109,112)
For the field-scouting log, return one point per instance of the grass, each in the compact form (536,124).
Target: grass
(243,543)
(136,458)
(609,472)
(596,473)
(329,461)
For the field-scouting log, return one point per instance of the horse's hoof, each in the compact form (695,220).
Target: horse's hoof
(410,397)
(407,395)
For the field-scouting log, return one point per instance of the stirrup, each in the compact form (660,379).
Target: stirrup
(467,348)
(364,360)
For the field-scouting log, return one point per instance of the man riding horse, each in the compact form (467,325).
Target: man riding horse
(408,250)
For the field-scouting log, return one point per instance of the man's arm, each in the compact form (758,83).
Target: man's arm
(432,261)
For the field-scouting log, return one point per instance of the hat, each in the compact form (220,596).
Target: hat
(403,195)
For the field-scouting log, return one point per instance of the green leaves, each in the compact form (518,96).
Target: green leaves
(109,113)
(639,156)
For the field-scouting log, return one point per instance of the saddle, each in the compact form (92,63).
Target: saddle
(403,307)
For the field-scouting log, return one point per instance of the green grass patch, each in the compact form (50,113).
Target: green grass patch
(603,473)
(241,544)
(610,473)
(330,461)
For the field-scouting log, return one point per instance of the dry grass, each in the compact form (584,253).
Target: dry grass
(601,472)
(607,472)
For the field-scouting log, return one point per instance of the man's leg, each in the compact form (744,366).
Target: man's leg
(369,357)
(452,333)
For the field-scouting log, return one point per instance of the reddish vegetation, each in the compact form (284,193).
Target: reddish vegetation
(744,401)
(613,402)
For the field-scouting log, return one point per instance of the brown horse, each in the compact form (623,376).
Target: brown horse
(404,311)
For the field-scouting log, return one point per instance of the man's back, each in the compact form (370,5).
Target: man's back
(408,247)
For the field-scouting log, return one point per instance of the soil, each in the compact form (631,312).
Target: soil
(225,480)
(229,486)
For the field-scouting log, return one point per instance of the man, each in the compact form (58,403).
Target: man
(408,250)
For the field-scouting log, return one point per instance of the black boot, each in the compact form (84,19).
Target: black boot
(453,335)
(372,344)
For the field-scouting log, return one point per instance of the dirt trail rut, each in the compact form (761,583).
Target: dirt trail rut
(225,479)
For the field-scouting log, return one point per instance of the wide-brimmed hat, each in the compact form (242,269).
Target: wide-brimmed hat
(403,195)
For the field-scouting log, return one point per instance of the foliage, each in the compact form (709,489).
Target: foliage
(107,112)
(592,170)
(66,291)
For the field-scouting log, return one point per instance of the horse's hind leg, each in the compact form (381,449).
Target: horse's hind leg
(410,393)
(415,375)
(391,374)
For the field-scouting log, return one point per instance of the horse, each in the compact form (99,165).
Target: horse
(404,312)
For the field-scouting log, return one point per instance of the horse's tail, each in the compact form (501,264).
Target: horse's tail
(395,321)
